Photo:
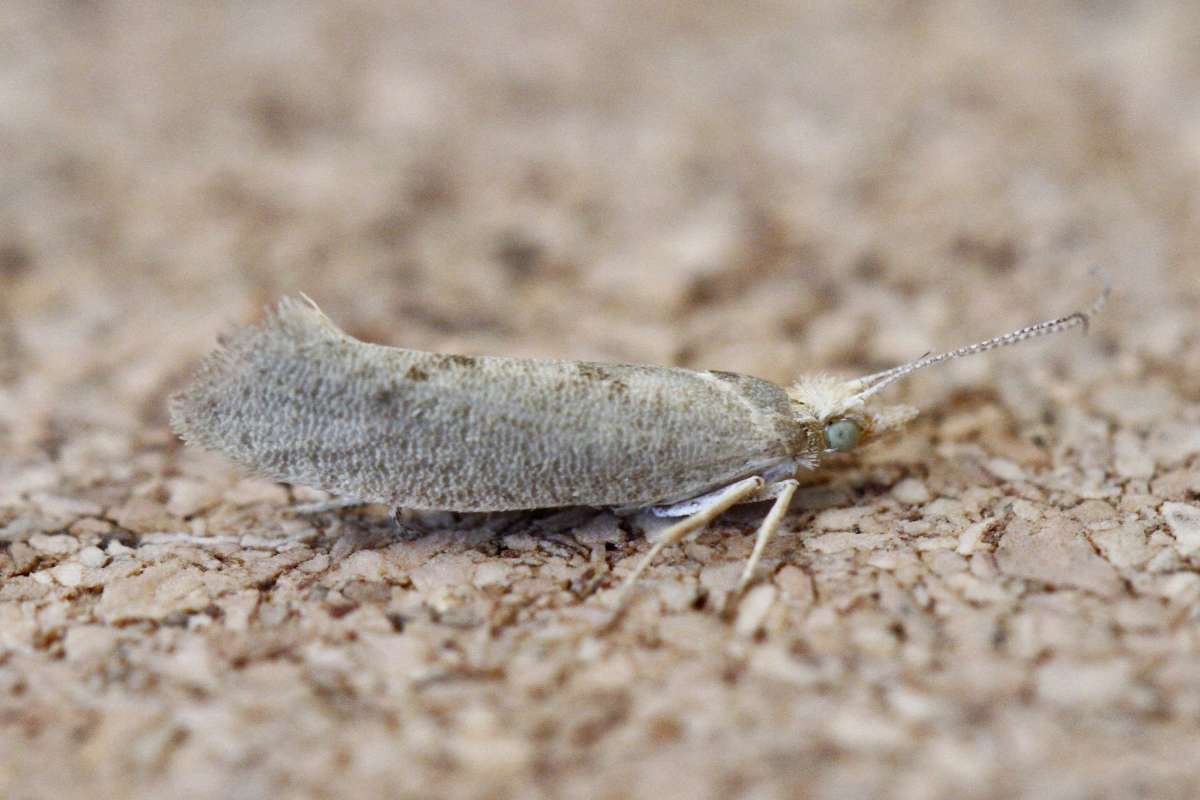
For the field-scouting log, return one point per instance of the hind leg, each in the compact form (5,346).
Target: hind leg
(325,506)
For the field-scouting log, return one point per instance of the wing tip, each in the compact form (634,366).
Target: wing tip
(285,328)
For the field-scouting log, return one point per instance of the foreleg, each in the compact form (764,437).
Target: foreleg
(767,529)
(715,504)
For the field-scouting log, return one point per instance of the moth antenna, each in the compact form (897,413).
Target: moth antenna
(878,381)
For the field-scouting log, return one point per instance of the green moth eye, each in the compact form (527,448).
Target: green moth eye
(842,434)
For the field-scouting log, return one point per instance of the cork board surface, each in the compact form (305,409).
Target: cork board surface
(1002,602)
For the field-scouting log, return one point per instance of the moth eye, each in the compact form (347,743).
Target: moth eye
(842,434)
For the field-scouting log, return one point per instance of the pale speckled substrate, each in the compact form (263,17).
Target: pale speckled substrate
(1003,603)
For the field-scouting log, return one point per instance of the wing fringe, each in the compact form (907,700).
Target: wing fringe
(292,325)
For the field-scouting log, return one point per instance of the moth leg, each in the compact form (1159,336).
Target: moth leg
(719,504)
(323,506)
(689,507)
(767,529)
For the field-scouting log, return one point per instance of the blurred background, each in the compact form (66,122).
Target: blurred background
(771,187)
(766,187)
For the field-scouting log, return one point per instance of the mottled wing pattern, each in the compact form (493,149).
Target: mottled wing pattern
(295,399)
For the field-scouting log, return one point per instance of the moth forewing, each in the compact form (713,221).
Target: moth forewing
(296,399)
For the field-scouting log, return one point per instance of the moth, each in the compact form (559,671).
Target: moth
(296,399)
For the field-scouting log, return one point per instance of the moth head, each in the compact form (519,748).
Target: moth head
(842,415)
(837,419)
